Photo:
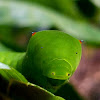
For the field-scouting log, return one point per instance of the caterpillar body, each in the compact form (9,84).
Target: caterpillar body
(51,59)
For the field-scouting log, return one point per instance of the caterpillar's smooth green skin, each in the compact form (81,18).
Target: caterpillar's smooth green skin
(51,58)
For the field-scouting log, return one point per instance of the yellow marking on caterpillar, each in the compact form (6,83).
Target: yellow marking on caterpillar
(53,73)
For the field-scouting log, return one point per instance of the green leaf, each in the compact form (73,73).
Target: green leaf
(23,91)
(10,73)
(15,86)
(4,48)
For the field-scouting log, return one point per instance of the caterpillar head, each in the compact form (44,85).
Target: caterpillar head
(58,69)
(53,54)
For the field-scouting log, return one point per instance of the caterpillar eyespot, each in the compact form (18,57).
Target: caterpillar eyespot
(67,74)
(81,41)
(53,73)
(33,33)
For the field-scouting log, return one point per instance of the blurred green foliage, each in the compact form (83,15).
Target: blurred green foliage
(64,6)
(76,9)
(19,18)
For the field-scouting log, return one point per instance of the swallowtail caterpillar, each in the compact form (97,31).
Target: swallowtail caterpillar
(51,58)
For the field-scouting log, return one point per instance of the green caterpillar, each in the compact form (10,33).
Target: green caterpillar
(51,59)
